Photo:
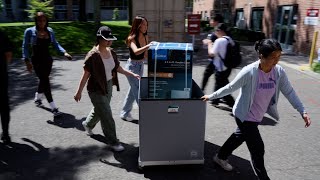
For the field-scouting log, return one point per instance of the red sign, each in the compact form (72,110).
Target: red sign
(194,23)
(312,12)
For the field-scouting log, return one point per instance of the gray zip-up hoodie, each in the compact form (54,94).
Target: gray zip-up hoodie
(246,80)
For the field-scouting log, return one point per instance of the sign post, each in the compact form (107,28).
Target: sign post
(194,25)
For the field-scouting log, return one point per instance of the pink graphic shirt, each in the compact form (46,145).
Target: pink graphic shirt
(266,87)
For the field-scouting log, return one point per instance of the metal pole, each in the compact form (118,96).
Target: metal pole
(314,42)
(193,36)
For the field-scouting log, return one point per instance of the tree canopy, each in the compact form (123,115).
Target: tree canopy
(38,5)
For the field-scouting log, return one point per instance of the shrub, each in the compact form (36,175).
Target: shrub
(246,35)
(75,37)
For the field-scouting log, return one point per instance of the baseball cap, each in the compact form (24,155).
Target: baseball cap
(105,33)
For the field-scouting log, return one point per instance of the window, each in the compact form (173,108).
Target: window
(60,2)
(239,19)
(256,19)
(111,4)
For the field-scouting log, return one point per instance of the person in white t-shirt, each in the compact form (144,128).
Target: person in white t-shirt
(100,73)
(210,69)
(217,50)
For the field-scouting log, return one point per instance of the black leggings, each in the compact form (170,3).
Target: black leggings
(206,75)
(221,81)
(249,133)
(42,68)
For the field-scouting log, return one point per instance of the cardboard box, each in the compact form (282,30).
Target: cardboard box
(170,70)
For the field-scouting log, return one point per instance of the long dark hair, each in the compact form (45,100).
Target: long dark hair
(265,47)
(37,16)
(135,28)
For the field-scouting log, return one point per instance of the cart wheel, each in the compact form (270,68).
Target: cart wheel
(140,168)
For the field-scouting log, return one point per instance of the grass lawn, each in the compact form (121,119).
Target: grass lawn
(75,37)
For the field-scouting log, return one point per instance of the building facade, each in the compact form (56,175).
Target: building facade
(203,7)
(292,22)
(14,10)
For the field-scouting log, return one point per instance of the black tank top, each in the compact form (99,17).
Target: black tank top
(41,48)
(139,56)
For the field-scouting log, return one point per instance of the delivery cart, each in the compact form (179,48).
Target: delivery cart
(171,131)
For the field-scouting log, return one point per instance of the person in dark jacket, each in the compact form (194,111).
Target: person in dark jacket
(100,70)
(5,57)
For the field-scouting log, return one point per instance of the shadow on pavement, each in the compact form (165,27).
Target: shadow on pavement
(33,161)
(66,120)
(23,85)
(128,160)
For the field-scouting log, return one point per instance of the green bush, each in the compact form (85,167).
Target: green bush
(316,67)
(246,35)
(75,37)
(116,14)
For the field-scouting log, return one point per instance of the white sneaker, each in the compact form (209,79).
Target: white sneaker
(87,129)
(117,147)
(223,163)
(128,118)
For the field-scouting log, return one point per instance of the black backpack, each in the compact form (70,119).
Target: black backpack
(233,57)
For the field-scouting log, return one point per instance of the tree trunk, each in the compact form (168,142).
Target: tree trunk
(69,10)
(82,11)
(130,11)
(97,13)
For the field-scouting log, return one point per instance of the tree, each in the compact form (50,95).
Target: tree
(116,14)
(97,13)
(43,6)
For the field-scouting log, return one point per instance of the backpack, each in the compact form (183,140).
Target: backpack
(233,57)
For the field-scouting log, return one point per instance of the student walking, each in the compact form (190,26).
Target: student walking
(138,44)
(218,51)
(100,70)
(260,84)
(5,57)
(39,38)
(210,69)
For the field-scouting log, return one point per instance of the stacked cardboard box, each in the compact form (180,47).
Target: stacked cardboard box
(170,70)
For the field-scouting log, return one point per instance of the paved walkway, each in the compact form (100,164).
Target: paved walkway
(45,147)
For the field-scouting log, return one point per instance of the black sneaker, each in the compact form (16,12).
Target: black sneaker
(56,112)
(215,102)
(5,139)
(38,102)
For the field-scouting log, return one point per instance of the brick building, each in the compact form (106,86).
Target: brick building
(203,7)
(292,22)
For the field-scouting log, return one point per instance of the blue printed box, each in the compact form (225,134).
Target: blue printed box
(170,70)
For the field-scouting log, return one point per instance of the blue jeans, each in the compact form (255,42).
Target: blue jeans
(135,66)
(101,111)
